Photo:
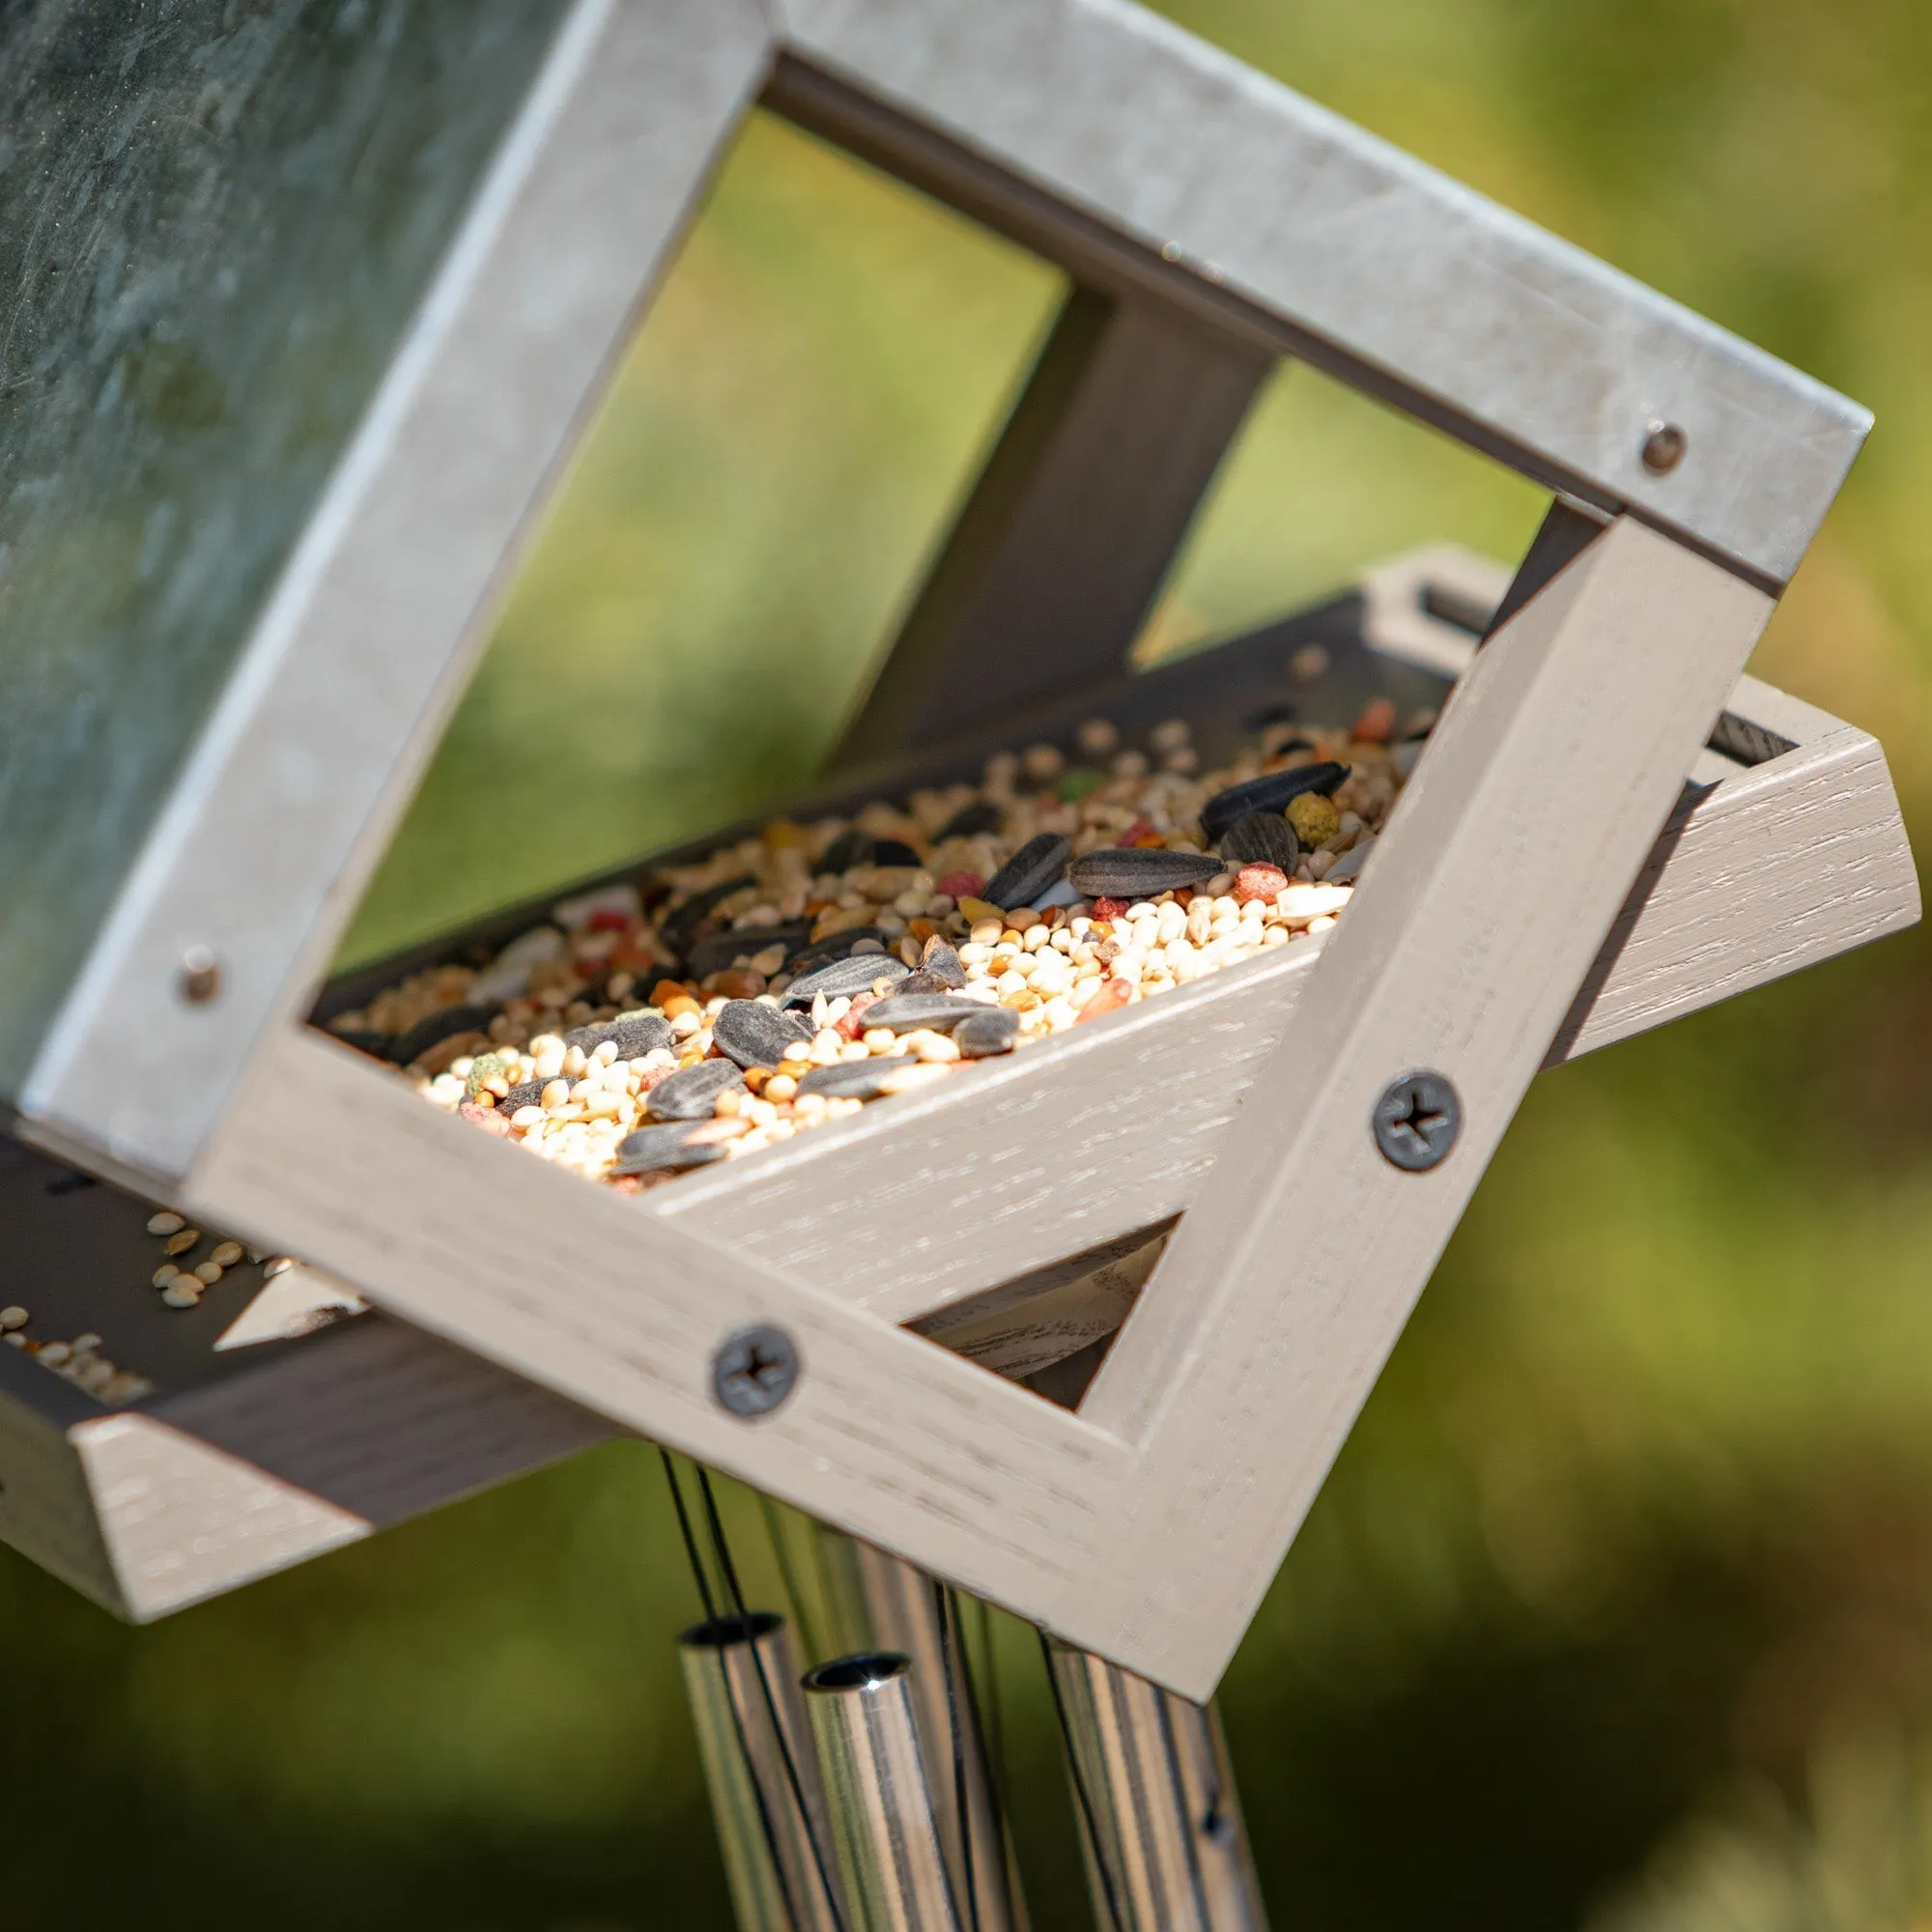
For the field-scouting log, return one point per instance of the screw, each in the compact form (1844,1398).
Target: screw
(1664,448)
(200,975)
(755,1370)
(1416,1120)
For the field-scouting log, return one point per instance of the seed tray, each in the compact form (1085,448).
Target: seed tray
(1086,1137)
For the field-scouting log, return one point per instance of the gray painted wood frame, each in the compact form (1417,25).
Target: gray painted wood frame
(1776,864)
(1792,851)
(892,1438)
(1284,228)
(1557,760)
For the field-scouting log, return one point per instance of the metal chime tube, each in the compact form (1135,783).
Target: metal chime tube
(1167,1850)
(774,1848)
(890,1857)
(894,1605)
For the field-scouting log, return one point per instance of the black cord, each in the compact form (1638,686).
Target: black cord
(1080,1788)
(767,1830)
(722,1550)
(808,1635)
(962,1806)
(996,1727)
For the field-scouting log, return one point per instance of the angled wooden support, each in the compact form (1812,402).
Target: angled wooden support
(1503,866)
(1050,570)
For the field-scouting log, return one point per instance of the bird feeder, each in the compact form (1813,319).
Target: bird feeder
(1609,826)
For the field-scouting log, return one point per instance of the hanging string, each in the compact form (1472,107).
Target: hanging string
(944,1608)
(766,1829)
(996,1727)
(1080,1791)
(722,1550)
(808,1635)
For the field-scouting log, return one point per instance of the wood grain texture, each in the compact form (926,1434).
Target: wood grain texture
(1781,866)
(1266,1324)
(315,1444)
(985,1181)
(1556,762)
(186,1522)
(888,1435)
(1268,212)
(1088,1136)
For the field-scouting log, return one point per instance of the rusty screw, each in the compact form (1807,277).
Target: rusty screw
(200,975)
(1664,448)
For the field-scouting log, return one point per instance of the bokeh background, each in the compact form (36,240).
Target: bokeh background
(1617,1610)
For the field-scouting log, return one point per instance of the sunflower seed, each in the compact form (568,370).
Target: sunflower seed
(855,1079)
(1030,872)
(720,949)
(755,1035)
(843,978)
(861,848)
(921,982)
(908,1013)
(681,924)
(1140,872)
(689,1095)
(658,1148)
(1260,838)
(942,962)
(981,814)
(991,1030)
(833,946)
(1269,792)
(636,1035)
(850,848)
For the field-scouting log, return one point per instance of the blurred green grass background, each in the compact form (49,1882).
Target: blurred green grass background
(1617,1610)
